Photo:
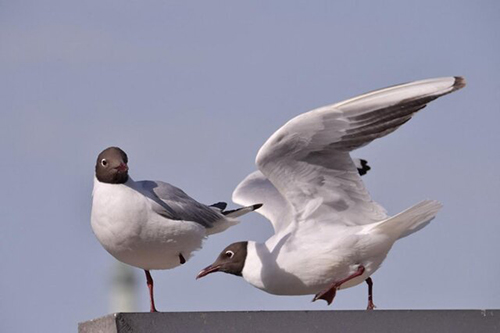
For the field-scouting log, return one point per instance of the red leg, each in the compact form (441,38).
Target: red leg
(329,294)
(149,281)
(370,306)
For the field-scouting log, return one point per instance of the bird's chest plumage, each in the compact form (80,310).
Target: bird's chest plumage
(118,215)
(127,227)
(309,262)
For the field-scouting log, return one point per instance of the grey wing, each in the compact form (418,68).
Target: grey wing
(308,159)
(173,203)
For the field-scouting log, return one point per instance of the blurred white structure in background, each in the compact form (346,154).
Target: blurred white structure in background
(123,296)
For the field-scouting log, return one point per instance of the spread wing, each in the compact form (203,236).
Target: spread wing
(257,188)
(307,160)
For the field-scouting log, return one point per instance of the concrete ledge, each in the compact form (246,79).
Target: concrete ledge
(401,321)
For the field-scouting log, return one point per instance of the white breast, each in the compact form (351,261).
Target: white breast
(310,262)
(127,227)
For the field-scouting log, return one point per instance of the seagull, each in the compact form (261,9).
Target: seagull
(150,224)
(328,232)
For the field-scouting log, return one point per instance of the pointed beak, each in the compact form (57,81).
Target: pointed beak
(122,167)
(207,270)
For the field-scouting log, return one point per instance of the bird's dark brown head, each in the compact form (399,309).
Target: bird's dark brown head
(111,166)
(231,260)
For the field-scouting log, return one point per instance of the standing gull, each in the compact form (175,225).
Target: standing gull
(328,232)
(150,224)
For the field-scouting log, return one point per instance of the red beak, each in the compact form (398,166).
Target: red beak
(207,270)
(122,168)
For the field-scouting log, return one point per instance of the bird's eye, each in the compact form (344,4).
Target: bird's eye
(229,254)
(104,162)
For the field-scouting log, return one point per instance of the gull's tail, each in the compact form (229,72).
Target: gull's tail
(410,220)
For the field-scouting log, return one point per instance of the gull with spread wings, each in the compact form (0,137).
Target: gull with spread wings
(329,233)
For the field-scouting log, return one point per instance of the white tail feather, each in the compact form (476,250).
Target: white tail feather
(410,220)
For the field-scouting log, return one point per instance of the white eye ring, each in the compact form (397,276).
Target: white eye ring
(104,162)
(229,254)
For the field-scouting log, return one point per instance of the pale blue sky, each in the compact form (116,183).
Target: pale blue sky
(191,90)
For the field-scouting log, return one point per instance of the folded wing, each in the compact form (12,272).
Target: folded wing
(173,203)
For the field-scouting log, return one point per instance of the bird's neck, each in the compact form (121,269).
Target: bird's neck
(257,253)
(100,185)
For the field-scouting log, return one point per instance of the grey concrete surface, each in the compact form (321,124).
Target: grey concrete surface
(401,321)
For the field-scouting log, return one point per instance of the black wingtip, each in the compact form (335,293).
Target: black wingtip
(219,205)
(459,83)
(364,167)
(242,210)
(257,206)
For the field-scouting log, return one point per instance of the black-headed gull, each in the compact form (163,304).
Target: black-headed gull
(150,224)
(329,233)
